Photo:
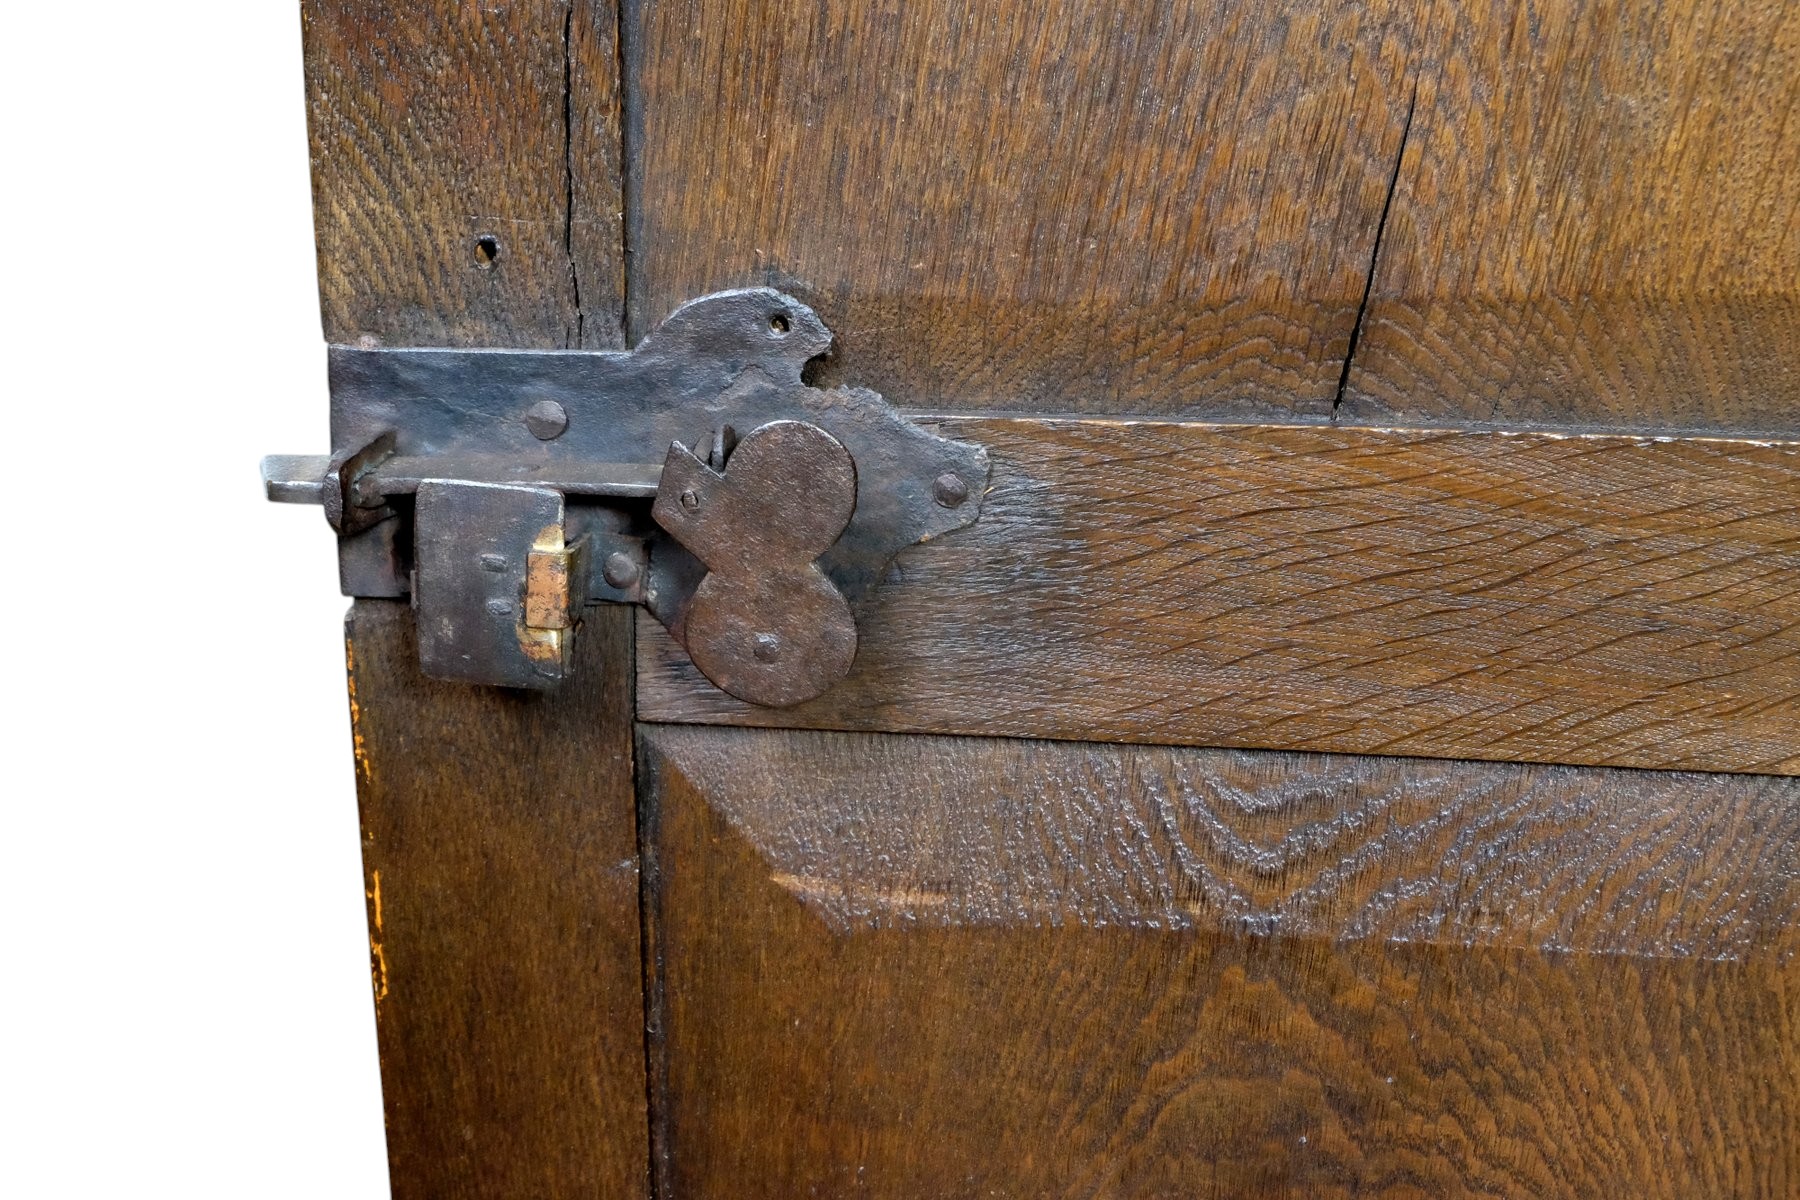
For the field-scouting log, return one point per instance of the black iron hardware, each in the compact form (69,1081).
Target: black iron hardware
(697,475)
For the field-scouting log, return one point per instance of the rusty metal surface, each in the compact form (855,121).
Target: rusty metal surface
(402,474)
(493,586)
(765,624)
(767,606)
(719,361)
(348,512)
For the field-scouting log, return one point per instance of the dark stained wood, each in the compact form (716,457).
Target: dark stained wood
(937,967)
(1548,598)
(499,829)
(1595,221)
(436,123)
(500,847)
(917,967)
(1054,206)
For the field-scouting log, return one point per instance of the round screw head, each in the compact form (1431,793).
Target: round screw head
(546,420)
(619,570)
(766,647)
(949,489)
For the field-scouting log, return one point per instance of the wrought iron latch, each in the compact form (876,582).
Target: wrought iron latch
(697,475)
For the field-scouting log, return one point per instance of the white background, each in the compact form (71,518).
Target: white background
(184,1009)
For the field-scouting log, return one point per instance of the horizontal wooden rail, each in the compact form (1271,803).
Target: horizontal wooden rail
(1593,599)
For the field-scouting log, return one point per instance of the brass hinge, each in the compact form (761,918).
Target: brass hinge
(504,490)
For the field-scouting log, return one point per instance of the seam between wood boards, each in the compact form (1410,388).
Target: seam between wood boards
(631,182)
(568,116)
(646,788)
(938,416)
(627,67)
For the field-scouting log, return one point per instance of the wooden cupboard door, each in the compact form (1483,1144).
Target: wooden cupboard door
(1354,752)
(1292,330)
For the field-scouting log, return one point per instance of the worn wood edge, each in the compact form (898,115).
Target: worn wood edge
(872,832)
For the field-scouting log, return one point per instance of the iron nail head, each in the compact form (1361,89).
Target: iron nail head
(620,570)
(546,420)
(949,489)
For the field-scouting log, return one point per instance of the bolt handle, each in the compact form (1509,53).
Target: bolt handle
(765,625)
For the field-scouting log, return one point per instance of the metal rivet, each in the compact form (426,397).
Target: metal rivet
(949,490)
(690,500)
(493,562)
(499,607)
(767,647)
(546,420)
(620,570)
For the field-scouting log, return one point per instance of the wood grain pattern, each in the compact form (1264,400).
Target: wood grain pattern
(499,842)
(941,967)
(873,832)
(499,830)
(1547,598)
(436,123)
(1595,221)
(1582,215)
(1055,206)
(1015,1040)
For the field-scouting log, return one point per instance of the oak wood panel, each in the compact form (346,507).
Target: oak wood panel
(500,850)
(910,967)
(1534,597)
(435,124)
(872,831)
(1058,206)
(1595,221)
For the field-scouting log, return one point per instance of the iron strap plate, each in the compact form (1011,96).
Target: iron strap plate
(603,431)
